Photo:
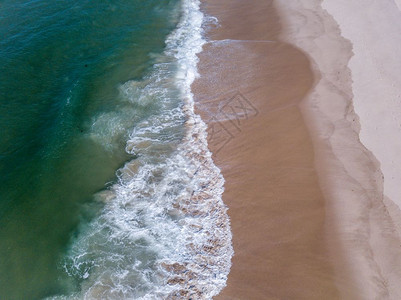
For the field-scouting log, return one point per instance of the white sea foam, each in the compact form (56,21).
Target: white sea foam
(163,232)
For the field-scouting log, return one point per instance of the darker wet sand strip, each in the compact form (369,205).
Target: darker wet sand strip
(249,93)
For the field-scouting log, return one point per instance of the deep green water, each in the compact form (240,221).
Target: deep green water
(63,122)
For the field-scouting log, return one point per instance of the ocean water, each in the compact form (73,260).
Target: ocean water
(108,190)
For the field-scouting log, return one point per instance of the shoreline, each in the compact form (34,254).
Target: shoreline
(305,197)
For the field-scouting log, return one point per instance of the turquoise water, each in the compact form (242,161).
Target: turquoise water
(108,190)
(62,63)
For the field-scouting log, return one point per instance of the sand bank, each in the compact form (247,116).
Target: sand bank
(305,196)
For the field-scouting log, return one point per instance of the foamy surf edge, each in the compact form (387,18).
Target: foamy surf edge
(213,256)
(164,232)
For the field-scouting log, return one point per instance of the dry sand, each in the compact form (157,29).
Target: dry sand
(376,72)
(375,33)
(349,175)
(305,196)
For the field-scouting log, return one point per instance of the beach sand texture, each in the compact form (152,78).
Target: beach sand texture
(305,196)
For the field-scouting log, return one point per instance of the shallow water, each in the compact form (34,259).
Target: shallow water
(101,156)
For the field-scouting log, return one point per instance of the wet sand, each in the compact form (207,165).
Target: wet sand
(265,152)
(305,197)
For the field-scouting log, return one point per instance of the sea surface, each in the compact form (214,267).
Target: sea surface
(108,189)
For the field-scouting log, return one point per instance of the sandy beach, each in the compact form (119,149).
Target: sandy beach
(312,213)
